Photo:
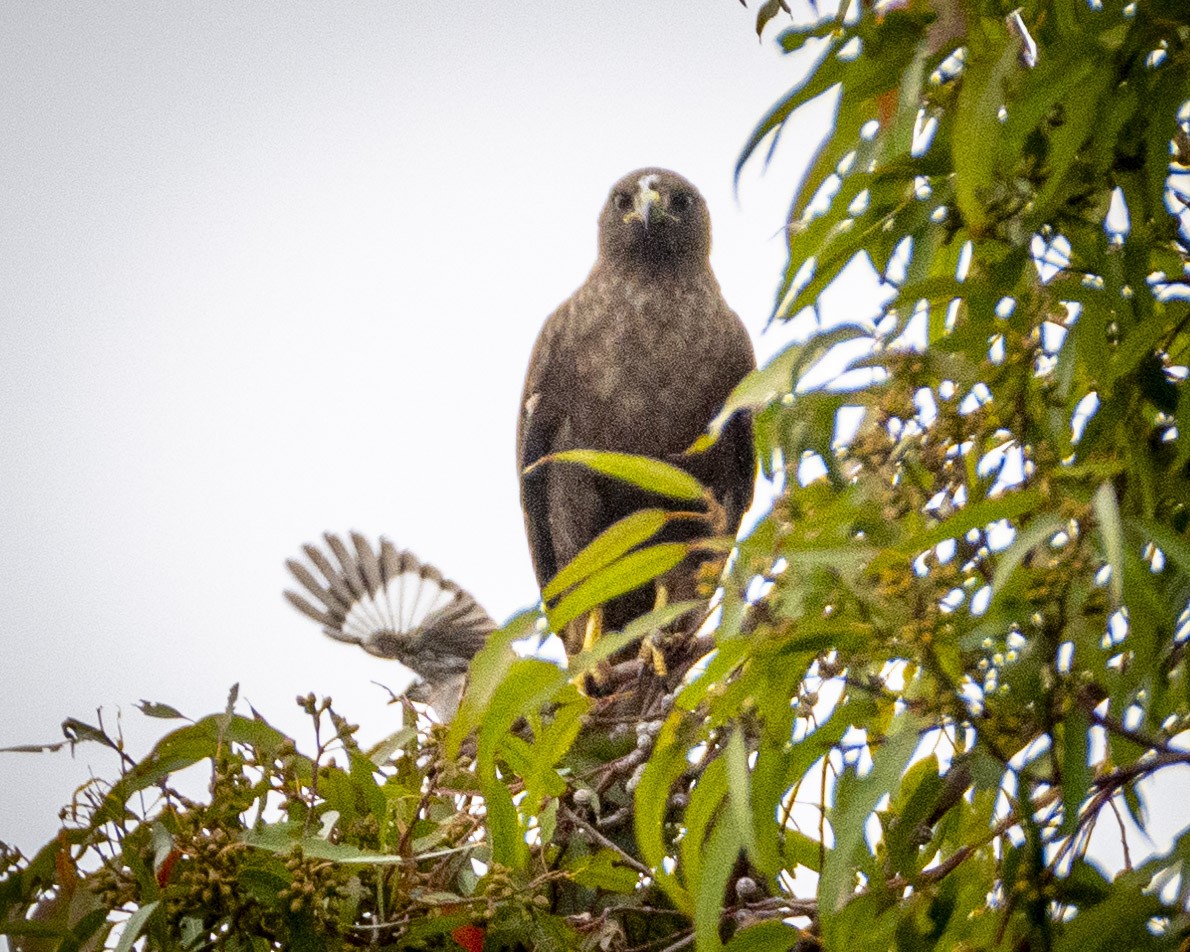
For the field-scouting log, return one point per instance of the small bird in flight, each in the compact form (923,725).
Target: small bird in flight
(395,606)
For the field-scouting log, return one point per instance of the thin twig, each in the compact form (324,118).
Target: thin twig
(1121,775)
(614,819)
(652,943)
(680,944)
(1114,726)
(1123,835)
(602,840)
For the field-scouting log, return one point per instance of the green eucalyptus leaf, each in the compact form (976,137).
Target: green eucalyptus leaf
(1039,532)
(487,673)
(609,545)
(156,709)
(605,870)
(1111,531)
(653,475)
(624,575)
(135,926)
(722,849)
(771,936)
(850,815)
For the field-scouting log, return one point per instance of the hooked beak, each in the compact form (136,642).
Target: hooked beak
(647,199)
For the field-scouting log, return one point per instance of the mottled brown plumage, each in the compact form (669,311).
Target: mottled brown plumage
(637,360)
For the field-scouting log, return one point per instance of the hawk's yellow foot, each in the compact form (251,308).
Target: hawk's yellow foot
(709,575)
(594,629)
(650,646)
(592,632)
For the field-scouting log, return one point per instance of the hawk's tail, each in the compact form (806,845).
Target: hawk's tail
(394,606)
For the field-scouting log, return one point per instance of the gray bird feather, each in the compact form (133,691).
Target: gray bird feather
(394,606)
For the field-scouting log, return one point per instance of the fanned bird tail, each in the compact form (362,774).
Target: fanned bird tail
(393,605)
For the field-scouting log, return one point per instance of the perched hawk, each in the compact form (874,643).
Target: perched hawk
(395,606)
(638,360)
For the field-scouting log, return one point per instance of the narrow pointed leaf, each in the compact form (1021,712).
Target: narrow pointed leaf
(630,572)
(612,543)
(1111,531)
(653,475)
(1040,531)
(135,926)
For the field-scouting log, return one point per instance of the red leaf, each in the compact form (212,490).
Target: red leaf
(469,937)
(65,871)
(167,867)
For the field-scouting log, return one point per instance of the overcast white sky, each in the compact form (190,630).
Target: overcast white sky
(268,269)
(276,268)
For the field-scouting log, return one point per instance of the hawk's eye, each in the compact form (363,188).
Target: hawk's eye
(622,201)
(681,201)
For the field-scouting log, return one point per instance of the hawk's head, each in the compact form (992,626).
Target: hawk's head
(655,218)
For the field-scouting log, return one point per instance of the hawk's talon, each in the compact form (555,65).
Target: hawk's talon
(592,632)
(651,653)
(709,576)
(650,647)
(594,628)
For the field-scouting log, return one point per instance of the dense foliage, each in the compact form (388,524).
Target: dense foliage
(952,649)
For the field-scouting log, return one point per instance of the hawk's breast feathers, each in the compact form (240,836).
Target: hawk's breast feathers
(639,359)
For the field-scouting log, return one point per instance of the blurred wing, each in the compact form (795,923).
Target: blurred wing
(392,605)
